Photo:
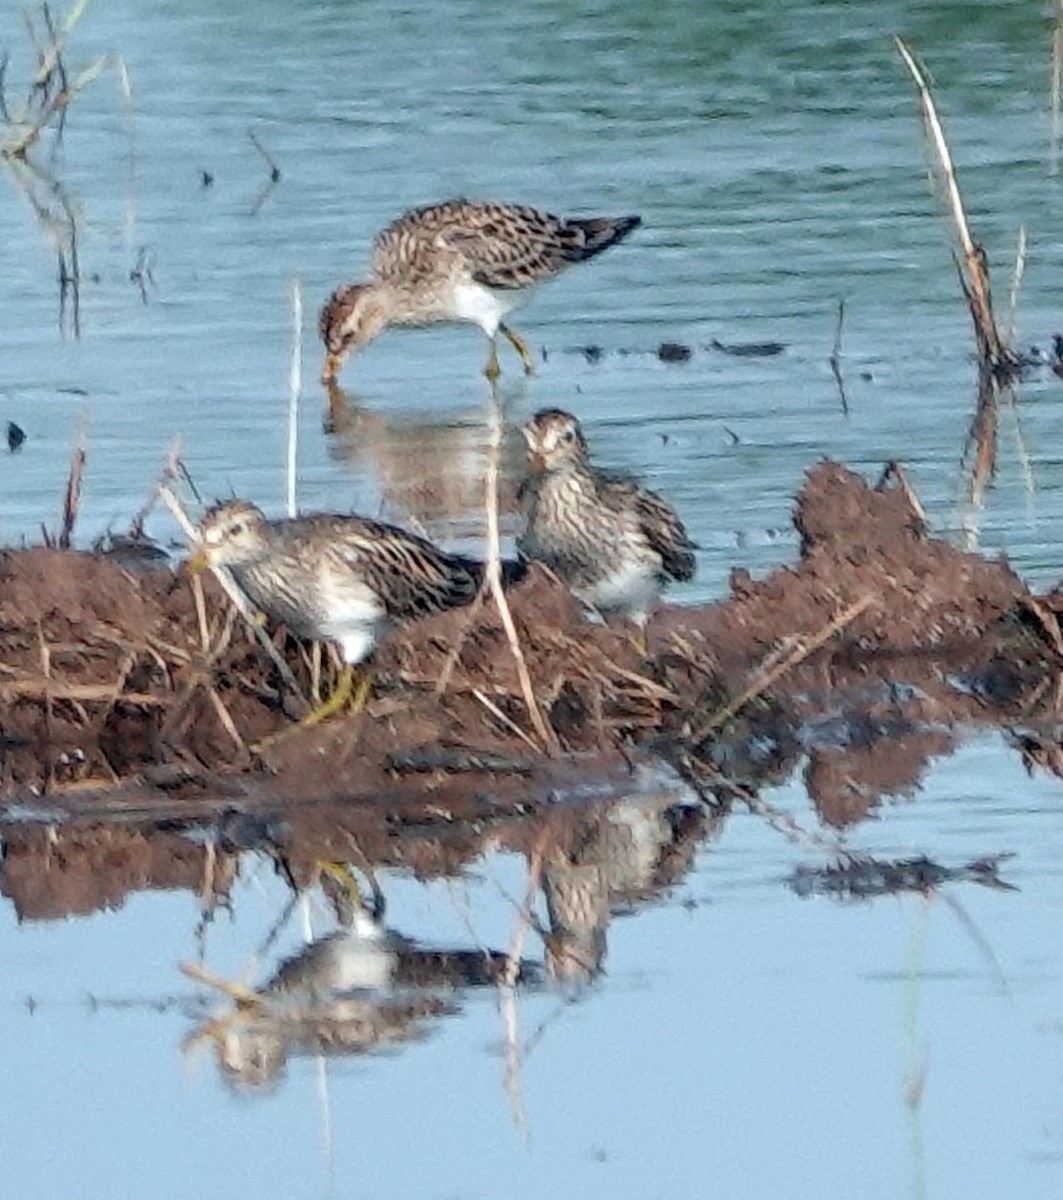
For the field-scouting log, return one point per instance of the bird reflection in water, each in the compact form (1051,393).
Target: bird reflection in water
(361,987)
(366,985)
(607,861)
(429,470)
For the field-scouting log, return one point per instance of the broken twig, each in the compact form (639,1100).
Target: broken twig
(763,681)
(993,355)
(72,499)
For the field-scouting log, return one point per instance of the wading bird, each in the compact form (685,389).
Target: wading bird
(461,260)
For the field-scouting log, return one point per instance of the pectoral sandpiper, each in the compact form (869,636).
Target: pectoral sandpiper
(614,542)
(347,579)
(461,260)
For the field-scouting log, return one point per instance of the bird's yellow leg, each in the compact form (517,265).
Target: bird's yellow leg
(340,884)
(342,877)
(360,694)
(492,370)
(344,694)
(521,347)
(341,694)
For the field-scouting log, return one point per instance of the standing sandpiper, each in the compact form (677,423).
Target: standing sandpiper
(343,578)
(615,543)
(461,260)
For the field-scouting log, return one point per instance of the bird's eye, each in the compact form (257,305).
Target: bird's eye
(568,436)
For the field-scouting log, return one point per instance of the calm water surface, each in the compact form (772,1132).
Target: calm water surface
(743,1041)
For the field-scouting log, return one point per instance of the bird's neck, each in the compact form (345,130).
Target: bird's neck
(573,472)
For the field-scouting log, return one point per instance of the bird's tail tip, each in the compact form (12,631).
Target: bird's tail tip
(599,233)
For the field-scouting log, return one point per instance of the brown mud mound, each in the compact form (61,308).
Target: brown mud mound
(879,634)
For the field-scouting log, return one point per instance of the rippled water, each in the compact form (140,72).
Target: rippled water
(748,1043)
(777,161)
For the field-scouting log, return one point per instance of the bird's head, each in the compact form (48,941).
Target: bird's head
(231,534)
(555,440)
(351,318)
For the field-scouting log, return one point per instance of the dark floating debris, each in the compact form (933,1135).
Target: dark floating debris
(16,435)
(748,349)
(206,179)
(864,878)
(142,274)
(679,352)
(1018,363)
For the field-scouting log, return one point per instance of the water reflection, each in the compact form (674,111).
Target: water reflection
(403,960)
(56,213)
(858,877)
(366,985)
(363,986)
(427,468)
(857,763)
(610,860)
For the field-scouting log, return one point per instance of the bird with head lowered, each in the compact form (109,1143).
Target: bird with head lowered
(461,260)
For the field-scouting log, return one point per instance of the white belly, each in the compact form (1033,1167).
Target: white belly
(357,644)
(483,306)
(633,590)
(355,619)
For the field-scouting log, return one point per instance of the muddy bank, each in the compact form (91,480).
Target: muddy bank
(860,657)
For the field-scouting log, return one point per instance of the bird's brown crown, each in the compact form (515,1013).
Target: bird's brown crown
(233,531)
(336,315)
(554,438)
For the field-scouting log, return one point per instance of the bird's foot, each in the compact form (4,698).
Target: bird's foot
(345,695)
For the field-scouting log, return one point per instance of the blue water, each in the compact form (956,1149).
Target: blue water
(741,1039)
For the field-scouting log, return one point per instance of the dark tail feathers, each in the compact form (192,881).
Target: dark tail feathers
(597,234)
(513,570)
